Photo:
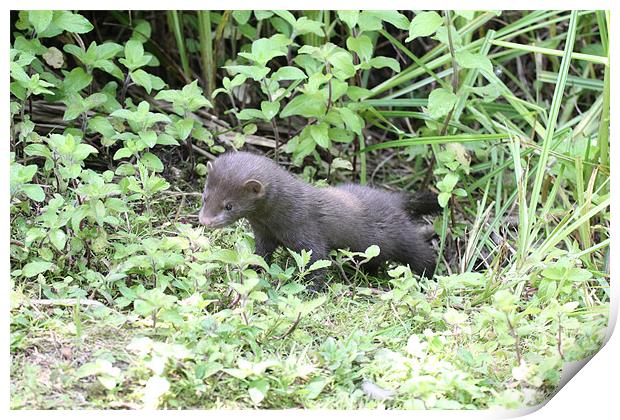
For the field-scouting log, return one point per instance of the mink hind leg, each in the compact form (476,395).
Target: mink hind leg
(416,250)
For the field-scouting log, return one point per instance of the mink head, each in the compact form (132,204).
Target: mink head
(229,195)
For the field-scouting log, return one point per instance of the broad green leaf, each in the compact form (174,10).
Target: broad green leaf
(101,125)
(362,45)
(352,121)
(469,60)
(305,105)
(443,198)
(40,19)
(142,78)
(424,24)
(440,102)
(250,113)
(349,17)
(342,65)
(454,317)
(152,162)
(380,62)
(36,267)
(286,73)
(58,238)
(303,26)
(368,21)
(82,151)
(372,251)
(504,300)
(122,153)
(319,264)
(467,14)
(241,16)
(319,132)
(72,22)
(270,109)
(34,192)
(258,389)
(76,80)
(392,16)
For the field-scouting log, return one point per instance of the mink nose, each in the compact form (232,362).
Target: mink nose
(207,221)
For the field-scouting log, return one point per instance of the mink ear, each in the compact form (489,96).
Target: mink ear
(255,187)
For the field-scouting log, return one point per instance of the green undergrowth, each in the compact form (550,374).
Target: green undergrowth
(169,336)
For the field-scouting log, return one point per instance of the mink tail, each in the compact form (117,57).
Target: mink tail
(421,203)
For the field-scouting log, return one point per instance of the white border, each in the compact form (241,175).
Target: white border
(592,394)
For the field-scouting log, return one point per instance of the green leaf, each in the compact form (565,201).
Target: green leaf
(306,146)
(258,389)
(270,109)
(76,80)
(319,264)
(443,198)
(352,121)
(454,317)
(58,238)
(362,45)
(342,63)
(303,26)
(287,16)
(349,17)
(368,21)
(449,182)
(134,55)
(82,151)
(380,62)
(467,14)
(242,16)
(392,16)
(264,49)
(184,127)
(34,192)
(101,125)
(72,22)
(38,150)
(149,137)
(287,73)
(166,140)
(122,153)
(440,102)
(424,24)
(142,78)
(319,132)
(250,113)
(40,19)
(305,105)
(469,60)
(152,162)
(256,73)
(315,387)
(372,251)
(36,267)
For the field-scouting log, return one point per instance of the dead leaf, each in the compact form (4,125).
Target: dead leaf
(54,57)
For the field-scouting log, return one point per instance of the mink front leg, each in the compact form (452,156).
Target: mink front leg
(317,277)
(265,243)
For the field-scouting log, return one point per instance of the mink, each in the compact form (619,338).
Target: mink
(284,210)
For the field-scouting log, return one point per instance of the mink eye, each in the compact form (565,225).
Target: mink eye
(228,206)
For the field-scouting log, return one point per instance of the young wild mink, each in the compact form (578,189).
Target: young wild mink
(284,210)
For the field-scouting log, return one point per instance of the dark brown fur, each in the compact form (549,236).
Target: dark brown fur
(284,210)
